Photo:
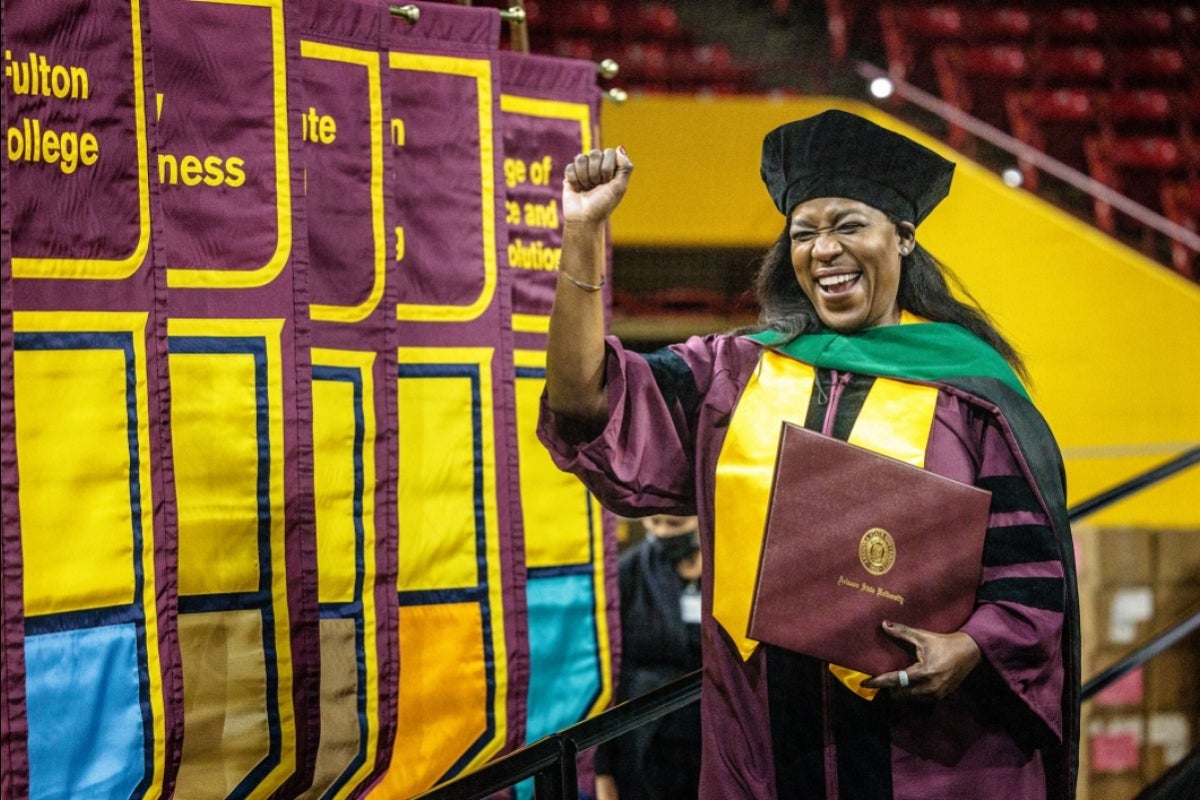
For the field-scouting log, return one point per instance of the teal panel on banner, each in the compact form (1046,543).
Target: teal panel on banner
(563,654)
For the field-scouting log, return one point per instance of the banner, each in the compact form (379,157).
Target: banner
(461,628)
(275,521)
(344,123)
(91,669)
(549,114)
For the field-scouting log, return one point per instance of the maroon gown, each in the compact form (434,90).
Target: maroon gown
(780,724)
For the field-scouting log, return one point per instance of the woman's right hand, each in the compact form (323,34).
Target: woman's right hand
(594,183)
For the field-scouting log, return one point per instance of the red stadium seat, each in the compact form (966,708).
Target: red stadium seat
(1075,63)
(910,31)
(974,79)
(645,65)
(1136,166)
(1146,111)
(584,18)
(711,67)
(653,20)
(1052,121)
(1139,25)
(1158,66)
(1014,23)
(1072,24)
(569,47)
(1186,19)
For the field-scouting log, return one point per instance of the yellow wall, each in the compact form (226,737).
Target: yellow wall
(1112,339)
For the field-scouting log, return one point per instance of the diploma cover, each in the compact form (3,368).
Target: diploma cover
(852,538)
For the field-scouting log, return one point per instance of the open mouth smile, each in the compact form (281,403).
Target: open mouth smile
(838,284)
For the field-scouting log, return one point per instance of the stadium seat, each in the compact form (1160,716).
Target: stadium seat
(1070,25)
(974,79)
(1052,121)
(1155,66)
(653,20)
(645,65)
(1139,25)
(584,18)
(910,31)
(687,300)
(1144,111)
(1136,166)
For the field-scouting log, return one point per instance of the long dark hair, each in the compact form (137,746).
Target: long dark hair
(925,290)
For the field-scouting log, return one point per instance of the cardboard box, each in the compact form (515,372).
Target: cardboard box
(1127,692)
(1114,556)
(1177,557)
(1175,602)
(1114,743)
(1122,616)
(1173,680)
(1113,787)
(1169,738)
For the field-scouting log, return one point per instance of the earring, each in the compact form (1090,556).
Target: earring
(905,250)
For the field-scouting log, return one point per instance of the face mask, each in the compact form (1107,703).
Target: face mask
(677,548)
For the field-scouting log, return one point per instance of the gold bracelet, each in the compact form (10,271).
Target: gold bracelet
(587,287)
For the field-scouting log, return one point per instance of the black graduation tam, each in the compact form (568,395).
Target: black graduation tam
(838,154)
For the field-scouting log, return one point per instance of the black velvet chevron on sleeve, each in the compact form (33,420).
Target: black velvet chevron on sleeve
(674,379)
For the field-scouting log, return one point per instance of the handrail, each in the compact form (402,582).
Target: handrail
(1181,462)
(1032,155)
(1173,633)
(1163,641)
(1179,780)
(537,760)
(550,761)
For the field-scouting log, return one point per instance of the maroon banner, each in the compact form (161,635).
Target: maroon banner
(463,651)
(550,110)
(235,251)
(549,114)
(267,461)
(345,125)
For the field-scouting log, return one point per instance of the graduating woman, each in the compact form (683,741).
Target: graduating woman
(861,339)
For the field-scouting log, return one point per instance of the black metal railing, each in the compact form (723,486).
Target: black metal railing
(550,761)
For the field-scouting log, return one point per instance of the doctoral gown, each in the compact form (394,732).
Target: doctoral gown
(693,429)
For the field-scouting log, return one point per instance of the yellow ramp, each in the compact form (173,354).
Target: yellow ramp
(1111,338)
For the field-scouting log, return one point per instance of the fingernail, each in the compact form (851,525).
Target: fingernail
(621,149)
(887,623)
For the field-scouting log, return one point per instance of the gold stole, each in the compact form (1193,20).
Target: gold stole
(895,420)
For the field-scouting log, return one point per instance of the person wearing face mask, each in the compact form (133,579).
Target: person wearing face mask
(659,579)
(859,338)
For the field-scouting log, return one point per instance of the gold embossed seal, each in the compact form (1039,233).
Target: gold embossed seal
(877,551)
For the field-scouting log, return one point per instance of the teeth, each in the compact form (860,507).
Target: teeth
(835,280)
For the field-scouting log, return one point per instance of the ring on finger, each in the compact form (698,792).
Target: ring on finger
(903,676)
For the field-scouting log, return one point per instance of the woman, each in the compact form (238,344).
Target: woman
(860,339)
(659,580)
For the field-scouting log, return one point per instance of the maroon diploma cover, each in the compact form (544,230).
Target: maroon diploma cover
(853,538)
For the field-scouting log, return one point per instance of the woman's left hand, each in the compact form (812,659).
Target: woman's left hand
(943,662)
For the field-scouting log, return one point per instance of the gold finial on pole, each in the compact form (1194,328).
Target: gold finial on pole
(608,68)
(518,31)
(409,13)
(618,96)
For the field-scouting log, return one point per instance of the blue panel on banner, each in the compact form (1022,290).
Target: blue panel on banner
(86,732)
